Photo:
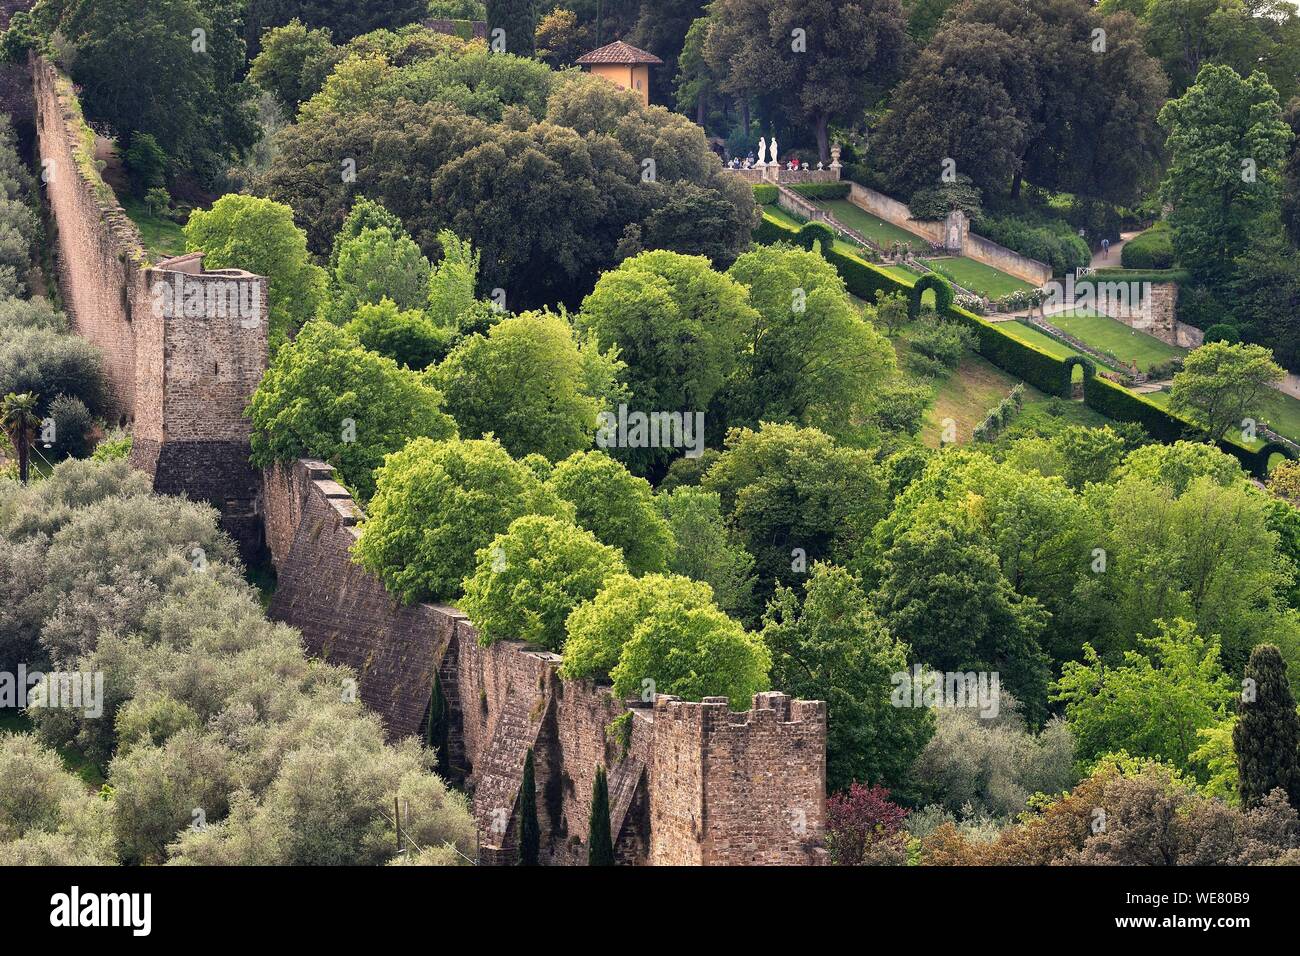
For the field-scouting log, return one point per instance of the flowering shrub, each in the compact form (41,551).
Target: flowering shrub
(863,826)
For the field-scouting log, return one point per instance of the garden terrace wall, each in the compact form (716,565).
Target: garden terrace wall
(974,246)
(181,375)
(689,782)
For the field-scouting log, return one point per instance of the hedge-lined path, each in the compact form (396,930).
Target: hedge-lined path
(1111,261)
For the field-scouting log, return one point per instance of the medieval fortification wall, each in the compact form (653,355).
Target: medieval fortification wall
(181,355)
(690,783)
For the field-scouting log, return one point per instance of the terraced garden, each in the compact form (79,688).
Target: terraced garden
(1113,336)
(873,227)
(980,278)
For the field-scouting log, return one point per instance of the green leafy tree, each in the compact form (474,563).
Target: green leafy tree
(342,18)
(452,282)
(616,506)
(143,68)
(793,496)
(364,214)
(846,57)
(600,846)
(529,832)
(706,550)
(1227,144)
(259,236)
(1267,733)
(1259,35)
(830,646)
(377,264)
(1013,93)
(524,382)
(146,163)
(529,579)
(662,634)
(942,591)
(560,39)
(436,504)
(811,359)
(1221,386)
(1208,555)
(679,326)
(409,338)
(325,396)
(517,18)
(1151,705)
(293,63)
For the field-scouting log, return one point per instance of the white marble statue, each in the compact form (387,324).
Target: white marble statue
(774,162)
(762,150)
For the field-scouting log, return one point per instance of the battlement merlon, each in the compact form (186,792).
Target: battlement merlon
(766,707)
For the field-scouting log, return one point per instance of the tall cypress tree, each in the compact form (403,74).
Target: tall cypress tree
(1267,734)
(600,848)
(529,832)
(435,731)
(518,19)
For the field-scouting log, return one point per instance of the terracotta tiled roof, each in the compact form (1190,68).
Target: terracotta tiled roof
(618,52)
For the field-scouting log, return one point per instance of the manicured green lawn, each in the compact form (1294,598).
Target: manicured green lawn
(781,216)
(1048,344)
(162,237)
(873,227)
(901,272)
(1118,339)
(1282,412)
(977,385)
(980,278)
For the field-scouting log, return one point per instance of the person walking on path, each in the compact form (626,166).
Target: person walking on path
(1105,248)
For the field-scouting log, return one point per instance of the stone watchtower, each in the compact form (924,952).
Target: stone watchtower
(183,347)
(201,349)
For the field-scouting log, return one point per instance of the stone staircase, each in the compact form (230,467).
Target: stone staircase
(499,772)
(624,778)
(454,760)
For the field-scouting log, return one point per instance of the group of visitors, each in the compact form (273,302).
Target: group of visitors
(793,164)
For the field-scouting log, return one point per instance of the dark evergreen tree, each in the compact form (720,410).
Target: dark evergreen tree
(518,19)
(435,732)
(600,847)
(529,833)
(1268,730)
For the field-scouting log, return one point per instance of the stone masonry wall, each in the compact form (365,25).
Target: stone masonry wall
(689,783)
(976,247)
(98,249)
(179,367)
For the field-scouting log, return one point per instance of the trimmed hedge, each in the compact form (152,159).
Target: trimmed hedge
(837,190)
(1153,249)
(1181,276)
(1045,372)
(943,295)
(765,194)
(814,232)
(771,230)
(1114,401)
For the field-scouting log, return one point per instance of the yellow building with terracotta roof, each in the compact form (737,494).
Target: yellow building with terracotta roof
(624,65)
